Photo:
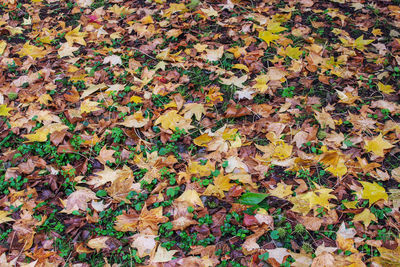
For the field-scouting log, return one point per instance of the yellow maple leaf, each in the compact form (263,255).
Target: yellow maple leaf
(75,36)
(335,162)
(136,99)
(33,51)
(191,198)
(4,218)
(174,8)
(40,134)
(268,36)
(147,20)
(221,184)
(320,197)
(3,45)
(377,145)
(89,106)
(241,67)
(376,32)
(120,11)
(261,83)
(44,99)
(202,140)
(388,257)
(196,168)
(387,89)
(373,192)
(350,204)
(366,217)
(4,110)
(301,204)
(293,52)
(169,120)
(282,150)
(360,43)
(282,190)
(275,27)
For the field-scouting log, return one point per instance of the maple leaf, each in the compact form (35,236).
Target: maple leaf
(268,36)
(113,60)
(163,255)
(275,27)
(293,52)
(360,43)
(301,204)
(4,218)
(278,254)
(335,162)
(365,216)
(106,155)
(229,5)
(246,93)
(191,198)
(3,45)
(324,119)
(196,168)
(78,200)
(135,121)
(194,109)
(387,89)
(214,55)
(169,120)
(126,222)
(122,186)
(75,36)
(103,177)
(67,50)
(40,134)
(151,218)
(373,192)
(144,243)
(282,190)
(98,243)
(88,106)
(84,3)
(377,145)
(261,83)
(320,197)
(221,183)
(237,81)
(33,51)
(4,110)
(388,257)
(210,12)
(202,140)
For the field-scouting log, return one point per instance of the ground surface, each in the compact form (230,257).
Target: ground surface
(243,133)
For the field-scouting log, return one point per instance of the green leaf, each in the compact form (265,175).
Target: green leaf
(274,234)
(101,193)
(264,256)
(251,198)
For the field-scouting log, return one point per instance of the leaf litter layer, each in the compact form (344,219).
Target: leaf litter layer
(177,133)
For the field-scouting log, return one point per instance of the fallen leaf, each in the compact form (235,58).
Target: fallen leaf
(4,218)
(163,255)
(366,217)
(191,198)
(98,243)
(373,192)
(377,145)
(75,36)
